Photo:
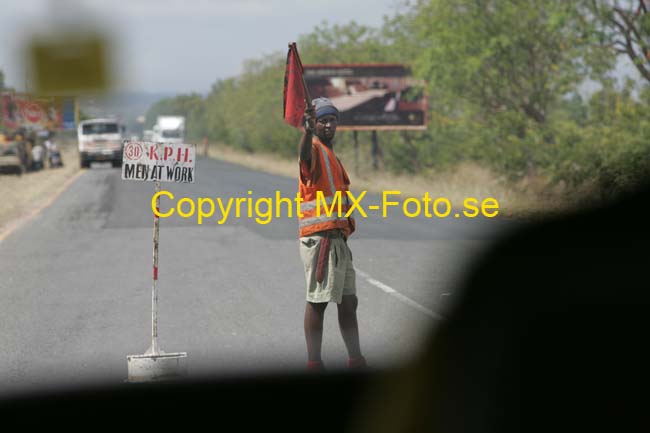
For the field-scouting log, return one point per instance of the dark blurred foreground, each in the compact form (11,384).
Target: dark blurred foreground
(549,334)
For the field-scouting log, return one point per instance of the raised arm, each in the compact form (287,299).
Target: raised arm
(308,133)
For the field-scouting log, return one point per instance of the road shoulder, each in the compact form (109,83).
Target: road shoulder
(27,195)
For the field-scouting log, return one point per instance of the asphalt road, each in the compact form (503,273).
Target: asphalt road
(76,282)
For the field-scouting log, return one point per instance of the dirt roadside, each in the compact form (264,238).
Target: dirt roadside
(21,196)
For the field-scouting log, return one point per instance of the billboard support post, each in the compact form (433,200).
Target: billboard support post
(376,151)
(355,135)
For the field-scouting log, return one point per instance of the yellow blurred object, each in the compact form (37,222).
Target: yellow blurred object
(69,64)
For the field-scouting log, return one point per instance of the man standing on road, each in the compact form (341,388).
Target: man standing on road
(323,239)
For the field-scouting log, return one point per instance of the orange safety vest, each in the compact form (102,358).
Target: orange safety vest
(332,178)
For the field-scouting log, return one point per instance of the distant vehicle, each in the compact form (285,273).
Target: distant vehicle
(169,129)
(147,135)
(10,158)
(100,140)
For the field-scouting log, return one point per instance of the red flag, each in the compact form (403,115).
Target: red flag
(295,94)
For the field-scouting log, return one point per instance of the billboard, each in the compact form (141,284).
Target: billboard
(370,96)
(24,110)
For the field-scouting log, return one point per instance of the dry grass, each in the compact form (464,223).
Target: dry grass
(528,198)
(257,161)
(22,194)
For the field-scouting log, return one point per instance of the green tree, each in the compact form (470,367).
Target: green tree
(2,87)
(619,28)
(348,43)
(517,55)
(502,89)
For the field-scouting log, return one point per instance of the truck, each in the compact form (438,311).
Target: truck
(100,140)
(147,135)
(169,129)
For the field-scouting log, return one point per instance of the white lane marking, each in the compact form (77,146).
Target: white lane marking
(402,298)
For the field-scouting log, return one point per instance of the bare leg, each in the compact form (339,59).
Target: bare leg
(314,315)
(347,310)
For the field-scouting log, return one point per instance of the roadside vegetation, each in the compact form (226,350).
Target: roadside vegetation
(508,109)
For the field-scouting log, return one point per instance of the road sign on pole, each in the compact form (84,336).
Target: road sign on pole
(157,162)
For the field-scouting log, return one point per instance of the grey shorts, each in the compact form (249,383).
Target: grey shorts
(339,276)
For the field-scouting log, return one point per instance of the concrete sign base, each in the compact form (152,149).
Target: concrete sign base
(164,366)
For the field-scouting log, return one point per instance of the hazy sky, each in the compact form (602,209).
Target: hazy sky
(178,45)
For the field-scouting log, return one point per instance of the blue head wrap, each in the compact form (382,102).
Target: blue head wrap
(323,107)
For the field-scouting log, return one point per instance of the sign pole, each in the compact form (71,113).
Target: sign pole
(153,350)
(155,364)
